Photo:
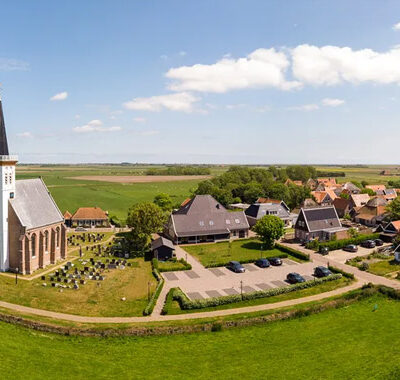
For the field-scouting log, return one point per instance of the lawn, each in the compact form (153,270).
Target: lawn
(325,287)
(379,266)
(223,252)
(90,299)
(354,342)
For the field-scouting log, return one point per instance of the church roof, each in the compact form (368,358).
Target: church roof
(33,204)
(3,136)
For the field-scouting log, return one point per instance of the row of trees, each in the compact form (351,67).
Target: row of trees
(243,184)
(179,170)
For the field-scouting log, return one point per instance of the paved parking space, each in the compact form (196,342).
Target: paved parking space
(200,282)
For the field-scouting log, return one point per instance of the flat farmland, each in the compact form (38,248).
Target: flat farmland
(114,197)
(141,178)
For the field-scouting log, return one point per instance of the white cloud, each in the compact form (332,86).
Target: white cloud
(305,107)
(8,64)
(25,135)
(262,68)
(95,126)
(182,53)
(235,106)
(60,96)
(396,26)
(164,57)
(330,65)
(77,116)
(181,101)
(139,119)
(330,102)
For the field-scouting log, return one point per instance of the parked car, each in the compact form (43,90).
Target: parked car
(236,267)
(368,244)
(262,263)
(350,248)
(275,261)
(322,272)
(80,229)
(378,242)
(323,250)
(294,278)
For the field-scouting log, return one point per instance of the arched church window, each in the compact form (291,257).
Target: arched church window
(58,237)
(33,245)
(46,241)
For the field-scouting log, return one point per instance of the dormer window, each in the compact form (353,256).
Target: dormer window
(211,223)
(228,221)
(237,221)
(201,223)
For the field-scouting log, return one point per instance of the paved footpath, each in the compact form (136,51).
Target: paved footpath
(361,277)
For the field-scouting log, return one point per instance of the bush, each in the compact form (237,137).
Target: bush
(364,266)
(181,265)
(342,272)
(293,252)
(186,304)
(217,326)
(338,244)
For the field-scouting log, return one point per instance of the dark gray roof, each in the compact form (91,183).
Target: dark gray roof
(321,218)
(3,136)
(390,192)
(34,205)
(259,210)
(203,215)
(162,241)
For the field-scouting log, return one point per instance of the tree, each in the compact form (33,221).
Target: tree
(370,192)
(269,228)
(353,233)
(394,209)
(364,183)
(344,195)
(144,219)
(163,201)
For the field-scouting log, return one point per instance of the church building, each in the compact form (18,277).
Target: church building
(32,230)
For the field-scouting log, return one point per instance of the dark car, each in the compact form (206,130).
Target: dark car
(368,244)
(262,263)
(322,272)
(350,248)
(294,278)
(236,267)
(323,250)
(378,242)
(275,261)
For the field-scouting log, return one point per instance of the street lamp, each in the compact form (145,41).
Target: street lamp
(16,276)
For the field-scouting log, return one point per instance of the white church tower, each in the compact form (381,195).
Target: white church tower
(7,191)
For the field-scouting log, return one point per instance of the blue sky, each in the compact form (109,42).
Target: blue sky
(202,81)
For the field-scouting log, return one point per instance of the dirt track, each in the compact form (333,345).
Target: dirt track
(140,178)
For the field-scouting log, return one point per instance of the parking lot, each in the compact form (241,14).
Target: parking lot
(200,283)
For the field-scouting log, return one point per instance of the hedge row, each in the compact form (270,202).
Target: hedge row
(342,272)
(168,301)
(186,304)
(338,244)
(293,252)
(283,255)
(152,302)
(185,266)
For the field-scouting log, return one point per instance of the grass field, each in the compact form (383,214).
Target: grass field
(353,342)
(90,299)
(223,252)
(116,198)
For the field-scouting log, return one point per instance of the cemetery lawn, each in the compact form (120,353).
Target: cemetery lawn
(352,342)
(76,238)
(90,299)
(241,250)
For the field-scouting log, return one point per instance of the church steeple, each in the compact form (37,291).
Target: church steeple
(3,135)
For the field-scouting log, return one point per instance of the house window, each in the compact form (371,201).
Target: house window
(201,223)
(12,195)
(6,179)
(10,178)
(211,223)
(228,221)
(237,221)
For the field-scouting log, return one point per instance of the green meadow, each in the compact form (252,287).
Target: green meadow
(353,342)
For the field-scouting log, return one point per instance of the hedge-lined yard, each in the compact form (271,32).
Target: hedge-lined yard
(332,245)
(244,251)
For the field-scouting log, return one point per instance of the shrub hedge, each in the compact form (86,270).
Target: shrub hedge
(184,266)
(186,304)
(283,255)
(338,244)
(342,272)
(293,252)
(168,301)
(152,302)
